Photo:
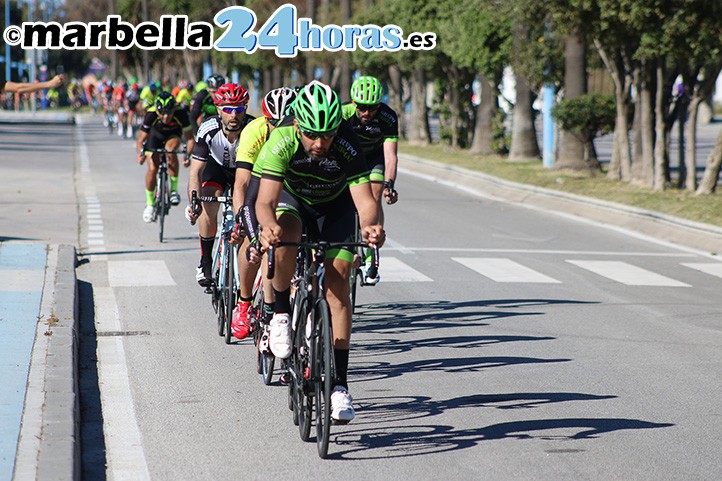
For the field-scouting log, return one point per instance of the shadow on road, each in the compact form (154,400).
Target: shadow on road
(377,442)
(92,440)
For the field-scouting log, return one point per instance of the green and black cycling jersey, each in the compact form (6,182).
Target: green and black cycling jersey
(283,158)
(384,127)
(202,104)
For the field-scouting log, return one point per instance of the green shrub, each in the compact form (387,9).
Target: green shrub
(586,116)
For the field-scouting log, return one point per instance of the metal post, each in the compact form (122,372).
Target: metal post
(548,125)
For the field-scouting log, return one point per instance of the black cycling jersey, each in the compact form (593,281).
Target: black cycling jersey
(202,103)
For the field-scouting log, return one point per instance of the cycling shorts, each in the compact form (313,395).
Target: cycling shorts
(215,175)
(332,221)
(157,139)
(377,167)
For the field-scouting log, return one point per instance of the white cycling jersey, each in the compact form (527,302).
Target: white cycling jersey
(212,143)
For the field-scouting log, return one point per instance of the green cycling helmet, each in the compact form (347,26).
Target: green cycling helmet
(367,90)
(317,108)
(165,102)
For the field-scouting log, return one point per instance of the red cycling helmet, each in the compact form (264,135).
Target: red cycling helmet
(230,94)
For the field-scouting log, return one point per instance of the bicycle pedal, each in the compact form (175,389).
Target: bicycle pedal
(208,290)
(339,422)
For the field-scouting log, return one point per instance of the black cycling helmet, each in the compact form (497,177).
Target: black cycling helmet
(165,102)
(215,81)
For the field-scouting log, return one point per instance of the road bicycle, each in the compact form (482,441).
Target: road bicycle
(225,281)
(357,277)
(311,364)
(162,188)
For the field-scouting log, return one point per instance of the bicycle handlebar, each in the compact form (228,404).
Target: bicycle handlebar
(323,245)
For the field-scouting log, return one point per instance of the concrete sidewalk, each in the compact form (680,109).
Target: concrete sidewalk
(38,117)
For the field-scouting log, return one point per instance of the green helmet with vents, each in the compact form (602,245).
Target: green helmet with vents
(367,90)
(317,108)
(165,102)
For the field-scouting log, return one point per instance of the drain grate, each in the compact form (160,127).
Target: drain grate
(121,333)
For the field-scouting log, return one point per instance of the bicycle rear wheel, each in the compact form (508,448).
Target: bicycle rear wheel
(302,395)
(229,290)
(218,281)
(323,366)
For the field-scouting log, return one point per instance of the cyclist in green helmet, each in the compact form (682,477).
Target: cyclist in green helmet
(377,127)
(314,174)
(163,128)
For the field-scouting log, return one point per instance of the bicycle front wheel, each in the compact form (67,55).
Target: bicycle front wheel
(229,289)
(323,365)
(161,201)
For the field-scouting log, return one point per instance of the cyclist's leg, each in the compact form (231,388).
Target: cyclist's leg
(173,143)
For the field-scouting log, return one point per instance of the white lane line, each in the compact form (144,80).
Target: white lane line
(139,273)
(392,269)
(392,246)
(125,454)
(713,269)
(504,270)
(398,247)
(628,274)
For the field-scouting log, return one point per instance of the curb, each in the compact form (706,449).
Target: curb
(49,441)
(682,232)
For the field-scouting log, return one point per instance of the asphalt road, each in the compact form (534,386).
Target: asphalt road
(502,342)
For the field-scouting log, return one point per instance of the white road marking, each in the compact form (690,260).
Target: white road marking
(504,270)
(139,273)
(125,454)
(537,251)
(713,269)
(627,274)
(392,269)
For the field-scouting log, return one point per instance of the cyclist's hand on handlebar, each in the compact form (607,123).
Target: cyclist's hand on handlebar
(140,158)
(270,235)
(391,195)
(237,234)
(192,215)
(374,234)
(253,253)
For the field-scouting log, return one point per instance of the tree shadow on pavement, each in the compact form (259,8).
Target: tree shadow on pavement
(393,441)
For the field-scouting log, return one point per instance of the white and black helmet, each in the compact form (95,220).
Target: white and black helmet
(277,101)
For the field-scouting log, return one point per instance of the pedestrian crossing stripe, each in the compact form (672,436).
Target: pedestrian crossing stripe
(504,270)
(713,269)
(627,274)
(139,273)
(392,269)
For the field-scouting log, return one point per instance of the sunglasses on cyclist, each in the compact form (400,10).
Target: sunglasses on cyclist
(274,122)
(315,135)
(167,111)
(234,110)
(366,108)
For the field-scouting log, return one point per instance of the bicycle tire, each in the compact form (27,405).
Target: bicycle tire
(229,290)
(323,365)
(268,360)
(218,291)
(161,207)
(303,403)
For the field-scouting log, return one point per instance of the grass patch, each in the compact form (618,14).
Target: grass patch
(680,203)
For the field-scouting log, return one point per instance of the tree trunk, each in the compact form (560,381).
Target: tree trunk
(417,119)
(661,152)
(485,115)
(345,62)
(643,171)
(708,184)
(571,148)
(396,97)
(524,144)
(690,128)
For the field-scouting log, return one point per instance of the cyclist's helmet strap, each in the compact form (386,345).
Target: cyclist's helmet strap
(276,102)
(165,102)
(317,108)
(367,90)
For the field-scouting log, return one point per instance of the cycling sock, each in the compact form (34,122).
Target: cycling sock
(268,310)
(341,358)
(149,197)
(283,301)
(173,184)
(207,249)
(246,299)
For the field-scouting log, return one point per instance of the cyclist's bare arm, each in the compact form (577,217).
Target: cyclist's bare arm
(194,185)
(142,137)
(268,194)
(368,214)
(391,160)
(243,177)
(190,143)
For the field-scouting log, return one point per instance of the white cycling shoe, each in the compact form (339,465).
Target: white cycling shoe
(149,214)
(342,410)
(280,342)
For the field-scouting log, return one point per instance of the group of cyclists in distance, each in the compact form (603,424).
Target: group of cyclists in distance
(306,161)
